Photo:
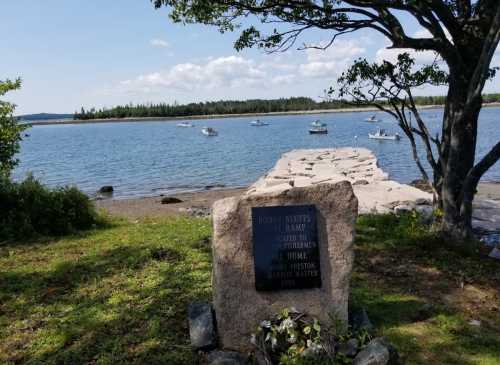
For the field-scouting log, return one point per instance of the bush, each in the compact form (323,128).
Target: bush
(30,209)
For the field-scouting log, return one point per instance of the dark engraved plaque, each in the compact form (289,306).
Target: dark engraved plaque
(285,247)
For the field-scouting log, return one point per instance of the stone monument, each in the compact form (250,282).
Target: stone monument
(276,250)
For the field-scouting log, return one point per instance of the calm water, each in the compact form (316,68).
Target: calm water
(149,158)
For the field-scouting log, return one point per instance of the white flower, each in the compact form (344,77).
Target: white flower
(265,324)
(286,324)
(253,339)
(274,342)
(292,338)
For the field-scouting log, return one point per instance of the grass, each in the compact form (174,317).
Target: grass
(113,296)
(422,293)
(119,295)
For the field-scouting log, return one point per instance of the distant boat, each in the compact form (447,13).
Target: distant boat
(372,119)
(381,134)
(185,125)
(210,132)
(258,123)
(318,130)
(318,123)
(317,127)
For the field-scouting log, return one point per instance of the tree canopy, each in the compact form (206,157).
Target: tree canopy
(10,130)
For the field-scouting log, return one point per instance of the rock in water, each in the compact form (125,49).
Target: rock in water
(170,200)
(107,189)
(202,326)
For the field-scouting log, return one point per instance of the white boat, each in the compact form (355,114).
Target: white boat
(208,131)
(318,130)
(258,123)
(372,119)
(185,125)
(381,134)
(317,124)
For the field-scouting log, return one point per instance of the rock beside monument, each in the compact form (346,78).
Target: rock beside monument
(202,331)
(359,320)
(226,358)
(377,352)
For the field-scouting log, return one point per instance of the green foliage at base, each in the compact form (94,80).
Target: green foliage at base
(30,209)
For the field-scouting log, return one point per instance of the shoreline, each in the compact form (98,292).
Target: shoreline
(201,202)
(225,116)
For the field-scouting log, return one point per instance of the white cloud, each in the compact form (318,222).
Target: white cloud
(340,50)
(160,43)
(391,55)
(332,61)
(238,72)
(232,71)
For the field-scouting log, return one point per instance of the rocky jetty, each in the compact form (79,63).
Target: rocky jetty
(376,193)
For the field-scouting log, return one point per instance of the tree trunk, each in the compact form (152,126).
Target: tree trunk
(458,152)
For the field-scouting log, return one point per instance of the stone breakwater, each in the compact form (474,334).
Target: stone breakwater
(376,193)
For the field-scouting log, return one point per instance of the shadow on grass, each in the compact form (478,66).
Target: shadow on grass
(421,292)
(126,305)
(104,223)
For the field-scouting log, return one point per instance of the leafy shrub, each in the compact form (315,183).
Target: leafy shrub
(29,209)
(294,338)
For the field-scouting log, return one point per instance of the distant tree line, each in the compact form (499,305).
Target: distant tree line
(235,107)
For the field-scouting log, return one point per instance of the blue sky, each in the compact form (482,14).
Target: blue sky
(73,53)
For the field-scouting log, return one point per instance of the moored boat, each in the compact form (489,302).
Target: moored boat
(318,123)
(381,134)
(317,127)
(318,130)
(372,119)
(185,125)
(208,131)
(258,123)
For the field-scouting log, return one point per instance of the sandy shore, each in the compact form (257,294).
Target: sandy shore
(151,207)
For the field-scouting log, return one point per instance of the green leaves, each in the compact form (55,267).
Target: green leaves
(368,83)
(10,129)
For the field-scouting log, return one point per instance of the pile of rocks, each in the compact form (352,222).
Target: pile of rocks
(203,337)
(371,185)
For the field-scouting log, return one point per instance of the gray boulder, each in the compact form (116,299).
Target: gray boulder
(403,208)
(349,348)
(202,326)
(170,200)
(226,358)
(359,320)
(377,352)
(426,212)
(107,189)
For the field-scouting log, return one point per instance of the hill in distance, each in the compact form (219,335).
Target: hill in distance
(44,116)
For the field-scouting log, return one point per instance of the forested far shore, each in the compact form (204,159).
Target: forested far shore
(253,106)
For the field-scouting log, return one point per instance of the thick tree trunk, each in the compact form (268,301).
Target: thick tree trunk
(458,152)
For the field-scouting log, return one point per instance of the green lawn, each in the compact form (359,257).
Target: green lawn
(119,295)
(111,296)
